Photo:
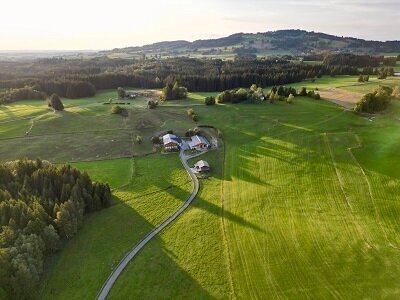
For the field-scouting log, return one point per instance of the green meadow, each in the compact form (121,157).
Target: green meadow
(302,201)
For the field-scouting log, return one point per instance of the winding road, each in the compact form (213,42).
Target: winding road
(125,261)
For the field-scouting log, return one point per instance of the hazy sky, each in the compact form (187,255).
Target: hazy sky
(98,24)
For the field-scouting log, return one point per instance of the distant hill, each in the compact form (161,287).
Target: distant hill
(281,42)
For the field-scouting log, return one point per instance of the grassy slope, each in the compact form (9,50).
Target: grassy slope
(86,261)
(188,259)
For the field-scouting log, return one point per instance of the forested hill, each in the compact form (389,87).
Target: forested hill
(291,42)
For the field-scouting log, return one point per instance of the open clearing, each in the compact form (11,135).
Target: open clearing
(303,200)
(341,97)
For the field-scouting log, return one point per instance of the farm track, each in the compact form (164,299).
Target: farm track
(125,261)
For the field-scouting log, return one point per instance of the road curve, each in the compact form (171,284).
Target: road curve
(102,295)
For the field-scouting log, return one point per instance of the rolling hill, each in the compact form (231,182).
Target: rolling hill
(281,42)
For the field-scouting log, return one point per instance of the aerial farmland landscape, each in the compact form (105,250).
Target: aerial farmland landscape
(226,159)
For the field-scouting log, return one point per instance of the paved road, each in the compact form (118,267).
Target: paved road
(125,261)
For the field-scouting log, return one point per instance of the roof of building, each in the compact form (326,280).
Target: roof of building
(171,138)
(198,139)
(201,164)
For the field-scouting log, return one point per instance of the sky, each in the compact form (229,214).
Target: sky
(99,24)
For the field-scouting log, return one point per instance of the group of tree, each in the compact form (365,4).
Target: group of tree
(192,114)
(174,92)
(347,59)
(282,93)
(252,95)
(118,110)
(192,132)
(55,103)
(16,94)
(40,204)
(376,101)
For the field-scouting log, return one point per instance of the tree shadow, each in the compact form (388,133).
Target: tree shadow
(106,237)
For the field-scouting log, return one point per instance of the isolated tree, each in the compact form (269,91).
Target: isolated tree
(190,112)
(121,93)
(290,99)
(55,103)
(303,92)
(209,100)
(396,92)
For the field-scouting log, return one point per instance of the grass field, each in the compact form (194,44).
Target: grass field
(302,201)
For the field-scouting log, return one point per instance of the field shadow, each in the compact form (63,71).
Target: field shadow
(152,274)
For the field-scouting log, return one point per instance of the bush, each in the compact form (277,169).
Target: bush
(190,112)
(303,92)
(209,100)
(151,104)
(118,110)
(139,140)
(290,99)
(155,140)
(195,118)
(55,103)
(396,92)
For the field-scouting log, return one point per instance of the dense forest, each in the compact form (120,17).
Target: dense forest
(40,204)
(76,78)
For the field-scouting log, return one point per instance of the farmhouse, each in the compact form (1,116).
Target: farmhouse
(131,94)
(202,166)
(199,142)
(172,142)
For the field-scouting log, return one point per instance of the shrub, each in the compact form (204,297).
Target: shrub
(209,100)
(190,112)
(151,104)
(317,96)
(155,140)
(396,92)
(118,110)
(195,118)
(303,92)
(139,140)
(290,99)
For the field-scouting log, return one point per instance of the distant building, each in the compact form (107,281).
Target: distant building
(172,142)
(131,94)
(202,166)
(199,142)
(397,74)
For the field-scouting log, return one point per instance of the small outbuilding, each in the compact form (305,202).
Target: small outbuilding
(202,166)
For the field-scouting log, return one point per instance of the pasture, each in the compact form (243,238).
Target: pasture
(302,201)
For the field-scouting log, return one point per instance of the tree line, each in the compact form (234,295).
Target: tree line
(40,204)
(74,78)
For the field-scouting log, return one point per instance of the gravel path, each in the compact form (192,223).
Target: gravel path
(125,261)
